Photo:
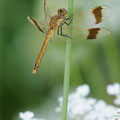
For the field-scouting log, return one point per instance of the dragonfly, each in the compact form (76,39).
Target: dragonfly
(61,21)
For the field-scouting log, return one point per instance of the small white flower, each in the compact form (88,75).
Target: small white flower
(113,89)
(58,109)
(93,115)
(91,101)
(83,90)
(28,115)
(100,105)
(117,100)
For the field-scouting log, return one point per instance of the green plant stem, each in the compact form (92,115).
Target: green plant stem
(67,66)
(1,58)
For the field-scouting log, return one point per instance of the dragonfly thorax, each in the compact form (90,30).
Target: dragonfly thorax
(56,20)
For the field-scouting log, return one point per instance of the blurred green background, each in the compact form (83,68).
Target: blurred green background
(96,63)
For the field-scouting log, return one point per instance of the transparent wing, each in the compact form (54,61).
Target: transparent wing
(47,12)
(92,33)
(92,16)
(86,34)
(79,34)
(42,26)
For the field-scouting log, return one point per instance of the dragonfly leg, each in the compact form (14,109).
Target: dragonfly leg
(69,18)
(59,32)
(69,22)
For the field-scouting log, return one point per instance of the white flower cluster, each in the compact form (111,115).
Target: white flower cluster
(28,115)
(81,107)
(114,90)
(84,108)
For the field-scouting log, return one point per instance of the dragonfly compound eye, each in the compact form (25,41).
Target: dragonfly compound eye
(60,11)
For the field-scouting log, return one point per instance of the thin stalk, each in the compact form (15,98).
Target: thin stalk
(1,59)
(67,66)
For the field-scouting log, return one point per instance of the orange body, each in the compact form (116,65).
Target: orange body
(53,26)
(47,39)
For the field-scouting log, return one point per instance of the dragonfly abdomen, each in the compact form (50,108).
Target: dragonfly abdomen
(44,46)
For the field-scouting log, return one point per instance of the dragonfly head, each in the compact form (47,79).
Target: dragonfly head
(63,13)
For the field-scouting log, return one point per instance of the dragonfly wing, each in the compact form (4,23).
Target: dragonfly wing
(87,34)
(46,11)
(91,17)
(91,33)
(43,27)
